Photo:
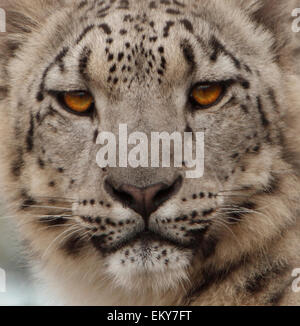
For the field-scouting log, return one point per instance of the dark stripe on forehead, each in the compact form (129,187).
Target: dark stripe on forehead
(40,94)
(83,61)
(219,49)
(263,118)
(167,28)
(84,33)
(57,60)
(60,57)
(188,53)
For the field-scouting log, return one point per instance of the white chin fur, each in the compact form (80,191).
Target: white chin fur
(159,270)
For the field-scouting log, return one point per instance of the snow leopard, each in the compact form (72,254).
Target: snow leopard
(71,70)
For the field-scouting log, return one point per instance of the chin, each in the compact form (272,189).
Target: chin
(145,265)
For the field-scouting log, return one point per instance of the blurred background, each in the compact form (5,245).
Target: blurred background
(20,289)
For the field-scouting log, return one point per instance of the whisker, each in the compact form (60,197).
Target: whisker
(48,207)
(71,229)
(55,226)
(239,189)
(239,196)
(58,198)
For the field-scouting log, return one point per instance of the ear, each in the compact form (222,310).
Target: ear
(22,17)
(275,16)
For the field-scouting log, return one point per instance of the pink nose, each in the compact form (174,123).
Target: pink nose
(146,200)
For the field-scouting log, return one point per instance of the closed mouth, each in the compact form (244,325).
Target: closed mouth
(147,237)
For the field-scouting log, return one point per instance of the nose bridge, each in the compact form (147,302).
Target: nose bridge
(141,177)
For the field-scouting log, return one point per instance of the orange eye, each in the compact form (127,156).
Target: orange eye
(207,95)
(80,102)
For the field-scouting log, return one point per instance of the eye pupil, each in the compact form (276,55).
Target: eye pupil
(207,95)
(79,102)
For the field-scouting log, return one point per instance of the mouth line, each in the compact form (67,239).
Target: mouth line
(146,237)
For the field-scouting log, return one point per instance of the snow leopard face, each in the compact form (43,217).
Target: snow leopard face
(140,63)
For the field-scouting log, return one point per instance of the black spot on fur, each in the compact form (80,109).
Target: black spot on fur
(152,5)
(96,133)
(207,212)
(173,11)
(105,28)
(167,28)
(103,11)
(41,163)
(28,200)
(188,25)
(30,134)
(82,4)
